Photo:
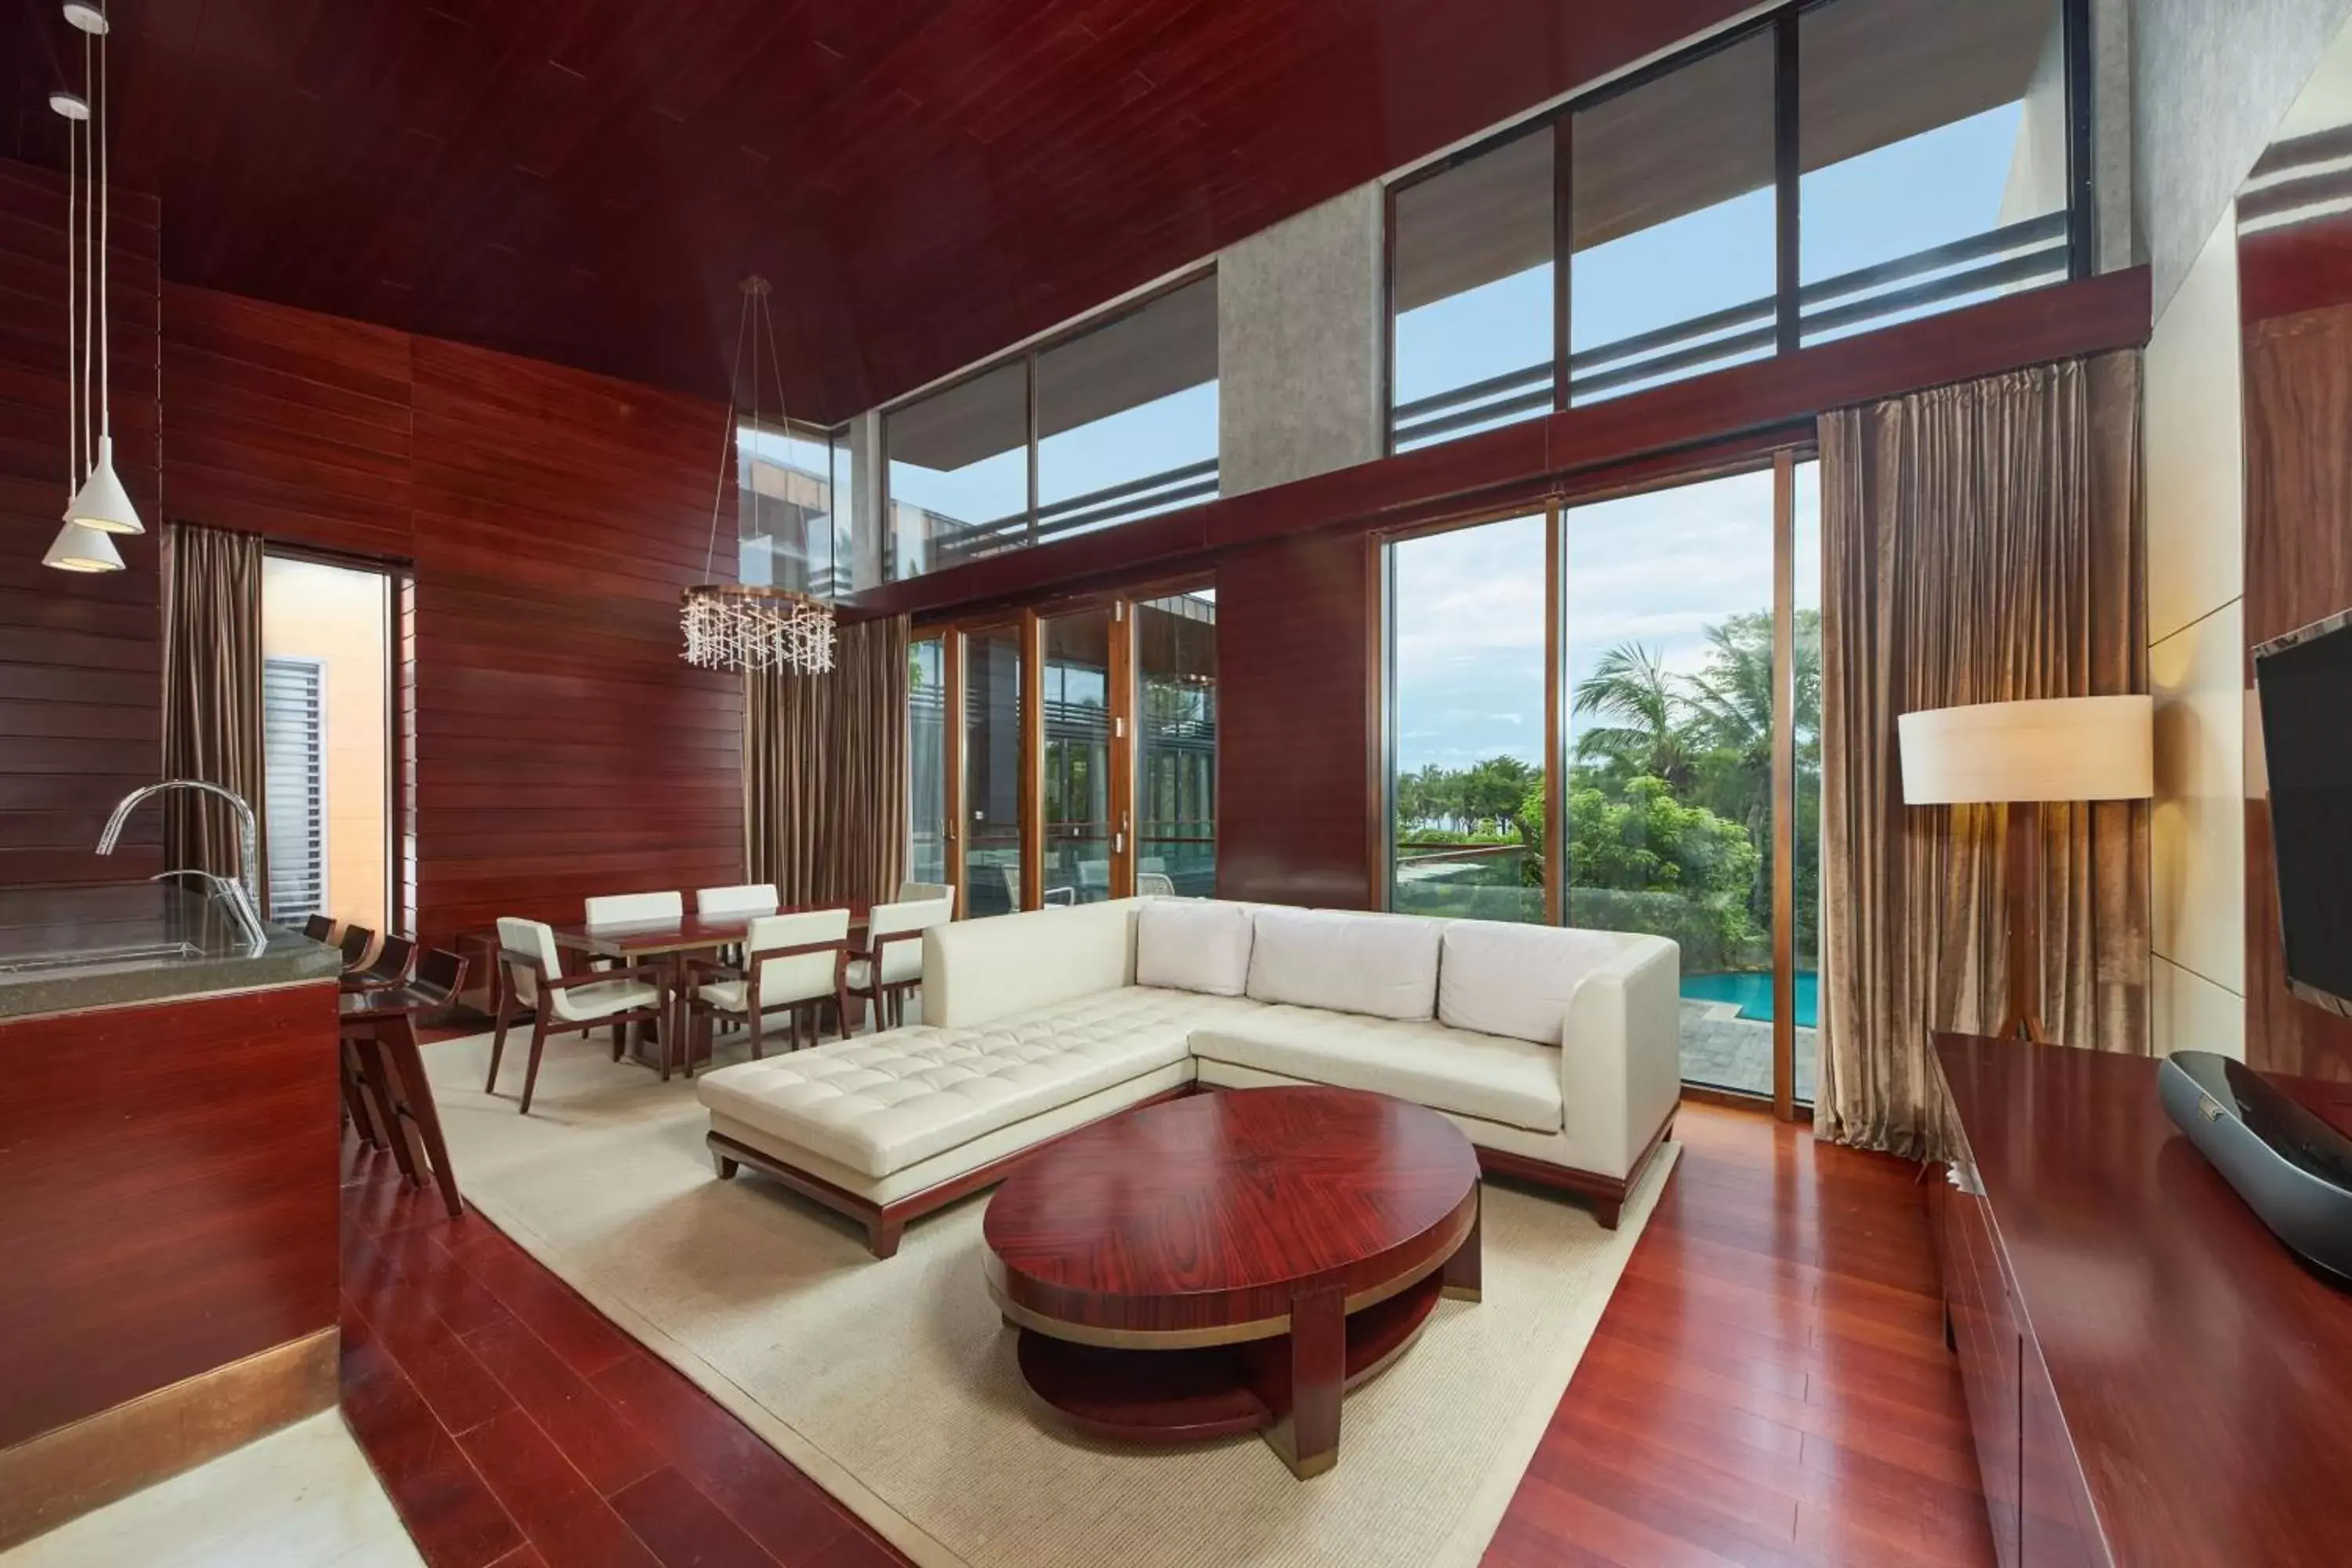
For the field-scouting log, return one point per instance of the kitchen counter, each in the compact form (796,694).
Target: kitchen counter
(68,950)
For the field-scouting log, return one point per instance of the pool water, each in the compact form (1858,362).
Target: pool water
(1752,989)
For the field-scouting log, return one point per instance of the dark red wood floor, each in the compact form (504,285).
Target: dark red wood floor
(514,1426)
(1769,1386)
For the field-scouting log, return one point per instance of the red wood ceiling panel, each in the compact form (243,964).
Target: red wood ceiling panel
(80,691)
(926,181)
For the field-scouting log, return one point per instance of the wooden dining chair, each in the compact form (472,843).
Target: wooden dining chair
(389,968)
(357,941)
(792,964)
(320,928)
(380,1036)
(564,1003)
(892,965)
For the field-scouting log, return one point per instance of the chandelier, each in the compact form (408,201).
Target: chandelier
(735,626)
(742,626)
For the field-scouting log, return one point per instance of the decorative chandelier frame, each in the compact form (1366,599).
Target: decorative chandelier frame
(741,626)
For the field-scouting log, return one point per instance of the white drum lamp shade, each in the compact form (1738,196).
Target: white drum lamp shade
(2021,754)
(2055,749)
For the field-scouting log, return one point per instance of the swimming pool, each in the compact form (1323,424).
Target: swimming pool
(1752,989)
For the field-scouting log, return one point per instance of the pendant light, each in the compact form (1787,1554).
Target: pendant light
(738,625)
(100,504)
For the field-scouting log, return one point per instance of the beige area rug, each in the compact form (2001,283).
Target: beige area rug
(893,1384)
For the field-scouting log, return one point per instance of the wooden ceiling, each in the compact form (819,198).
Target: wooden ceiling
(925,180)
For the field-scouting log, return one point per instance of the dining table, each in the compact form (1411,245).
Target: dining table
(669,941)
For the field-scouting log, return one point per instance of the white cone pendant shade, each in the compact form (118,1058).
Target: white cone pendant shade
(101,502)
(79,548)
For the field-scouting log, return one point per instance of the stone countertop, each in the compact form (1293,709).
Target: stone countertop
(68,950)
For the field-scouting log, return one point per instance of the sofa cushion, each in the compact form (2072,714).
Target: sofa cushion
(978,970)
(1516,980)
(1192,945)
(1511,1081)
(1384,965)
(883,1101)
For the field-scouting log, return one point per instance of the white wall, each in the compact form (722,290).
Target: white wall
(2196,580)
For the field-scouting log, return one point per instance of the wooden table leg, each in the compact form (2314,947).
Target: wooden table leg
(1461,1277)
(1308,1439)
(408,1069)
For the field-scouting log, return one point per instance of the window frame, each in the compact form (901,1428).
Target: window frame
(1027,357)
(1781,23)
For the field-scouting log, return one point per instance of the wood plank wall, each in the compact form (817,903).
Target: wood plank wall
(1295,736)
(81,665)
(2295,295)
(551,517)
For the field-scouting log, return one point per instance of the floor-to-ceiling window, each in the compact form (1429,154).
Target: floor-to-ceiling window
(327,728)
(1077,864)
(1466,644)
(926,754)
(1649,665)
(1672,684)
(1176,744)
(1091,776)
(993,792)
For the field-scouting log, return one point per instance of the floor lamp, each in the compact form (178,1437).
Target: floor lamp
(2020,754)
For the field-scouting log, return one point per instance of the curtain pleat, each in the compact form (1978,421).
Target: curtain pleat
(824,771)
(1981,543)
(212,692)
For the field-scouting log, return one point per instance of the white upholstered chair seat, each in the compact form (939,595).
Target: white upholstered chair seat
(881,1102)
(1513,1082)
(727,994)
(581,1002)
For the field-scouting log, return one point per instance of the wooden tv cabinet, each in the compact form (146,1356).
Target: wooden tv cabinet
(2152,1378)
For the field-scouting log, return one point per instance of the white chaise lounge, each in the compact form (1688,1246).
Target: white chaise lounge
(1554,1051)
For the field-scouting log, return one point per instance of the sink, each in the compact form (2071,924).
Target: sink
(100,957)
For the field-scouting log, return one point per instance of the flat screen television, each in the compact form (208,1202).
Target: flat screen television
(2304,681)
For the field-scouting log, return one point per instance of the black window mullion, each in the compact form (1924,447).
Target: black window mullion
(2080,239)
(1563,248)
(1788,169)
(1029,362)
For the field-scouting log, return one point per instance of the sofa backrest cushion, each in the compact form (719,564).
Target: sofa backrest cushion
(1193,944)
(1384,966)
(978,970)
(1516,980)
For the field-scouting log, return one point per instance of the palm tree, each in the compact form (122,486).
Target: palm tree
(1647,731)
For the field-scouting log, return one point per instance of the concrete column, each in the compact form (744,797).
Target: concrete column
(1298,345)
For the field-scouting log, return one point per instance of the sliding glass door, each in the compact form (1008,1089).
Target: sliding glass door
(1609,715)
(1081,765)
(991,787)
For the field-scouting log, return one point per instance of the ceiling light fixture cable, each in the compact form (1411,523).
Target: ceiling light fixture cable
(79,547)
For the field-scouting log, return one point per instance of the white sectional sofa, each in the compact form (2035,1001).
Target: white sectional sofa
(1554,1051)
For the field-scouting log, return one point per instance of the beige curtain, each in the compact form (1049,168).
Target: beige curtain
(824,771)
(1981,543)
(212,690)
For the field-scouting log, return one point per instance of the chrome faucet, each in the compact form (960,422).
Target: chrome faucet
(244,896)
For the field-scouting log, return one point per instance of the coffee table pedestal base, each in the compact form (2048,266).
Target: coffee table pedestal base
(1287,1387)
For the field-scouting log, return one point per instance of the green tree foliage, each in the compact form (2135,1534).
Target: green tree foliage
(1670,796)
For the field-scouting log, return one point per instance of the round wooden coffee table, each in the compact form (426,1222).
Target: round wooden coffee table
(1233,1262)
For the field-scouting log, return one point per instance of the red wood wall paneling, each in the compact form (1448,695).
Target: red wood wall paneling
(2298,414)
(561,749)
(80,668)
(1294,740)
(172,1196)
